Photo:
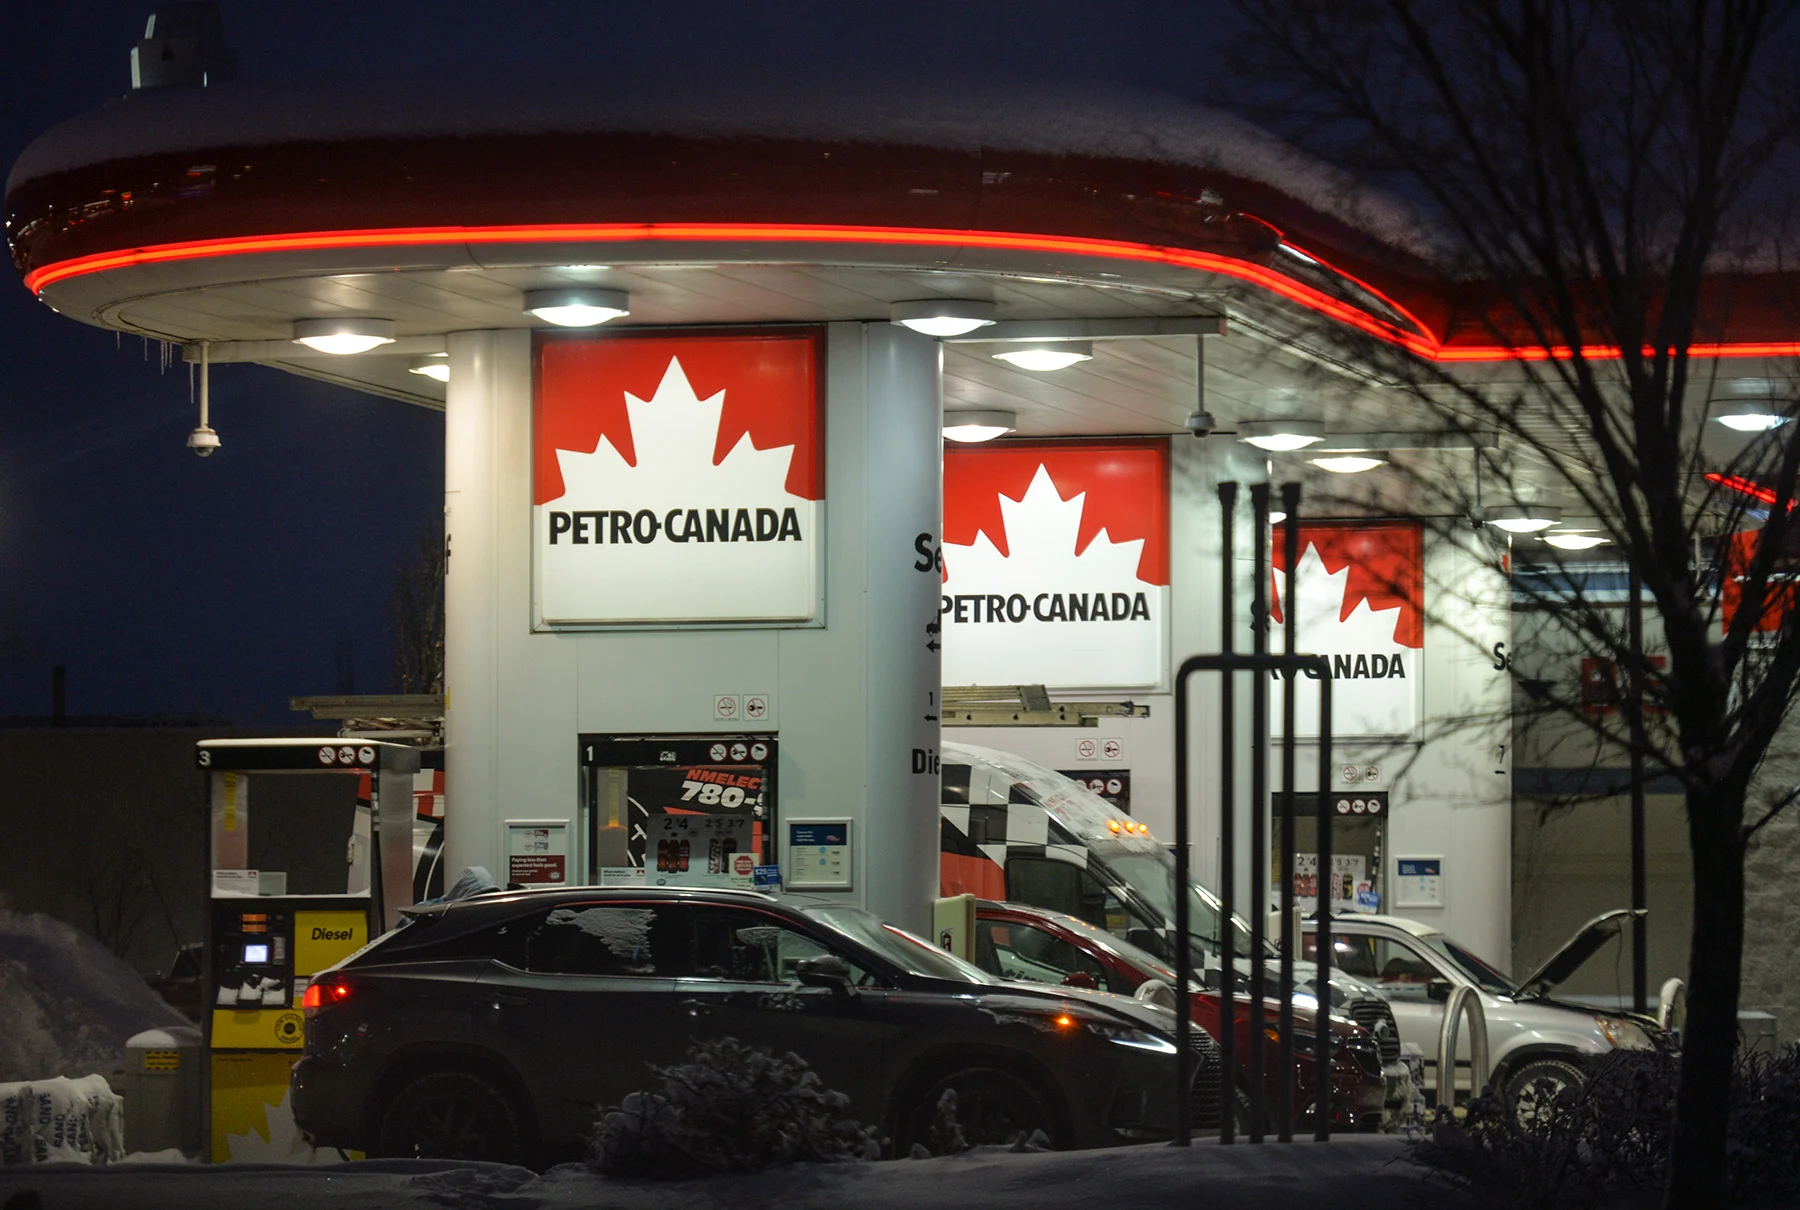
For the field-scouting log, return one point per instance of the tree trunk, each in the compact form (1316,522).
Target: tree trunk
(1697,1176)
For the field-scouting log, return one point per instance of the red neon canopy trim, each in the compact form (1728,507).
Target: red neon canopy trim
(1426,347)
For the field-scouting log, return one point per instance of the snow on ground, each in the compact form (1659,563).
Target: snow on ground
(68,1002)
(1361,1170)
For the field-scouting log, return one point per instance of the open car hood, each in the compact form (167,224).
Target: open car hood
(1576,950)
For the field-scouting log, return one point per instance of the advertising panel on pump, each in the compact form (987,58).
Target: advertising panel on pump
(1056,564)
(1361,606)
(678,478)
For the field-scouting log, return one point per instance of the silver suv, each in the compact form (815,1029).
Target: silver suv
(1530,1036)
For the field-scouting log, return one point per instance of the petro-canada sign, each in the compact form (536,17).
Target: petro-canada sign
(1361,607)
(677,479)
(1056,564)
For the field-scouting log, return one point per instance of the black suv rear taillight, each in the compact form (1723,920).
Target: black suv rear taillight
(325,993)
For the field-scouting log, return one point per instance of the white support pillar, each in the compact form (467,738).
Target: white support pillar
(1197,573)
(902,481)
(852,701)
(486,399)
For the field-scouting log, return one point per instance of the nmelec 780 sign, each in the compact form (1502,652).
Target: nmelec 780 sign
(677,479)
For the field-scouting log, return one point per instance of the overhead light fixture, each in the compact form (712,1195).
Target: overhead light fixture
(1522,518)
(1280,436)
(1046,356)
(982,425)
(436,365)
(1751,415)
(344,335)
(1575,539)
(1277,517)
(943,316)
(1349,464)
(577,306)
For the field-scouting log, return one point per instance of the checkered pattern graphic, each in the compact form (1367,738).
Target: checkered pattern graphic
(428,794)
(986,813)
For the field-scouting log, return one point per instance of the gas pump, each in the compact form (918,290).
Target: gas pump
(311,859)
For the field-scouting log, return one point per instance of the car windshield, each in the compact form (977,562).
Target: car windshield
(1140,959)
(1152,876)
(1484,976)
(910,953)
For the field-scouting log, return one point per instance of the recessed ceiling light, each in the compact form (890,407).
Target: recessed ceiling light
(1280,436)
(1574,539)
(1752,415)
(943,316)
(436,365)
(983,425)
(1522,518)
(1046,356)
(344,335)
(577,306)
(1349,464)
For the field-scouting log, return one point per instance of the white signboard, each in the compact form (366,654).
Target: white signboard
(537,851)
(1360,606)
(1419,882)
(1056,565)
(678,479)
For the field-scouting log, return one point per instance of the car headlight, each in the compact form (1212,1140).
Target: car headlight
(1137,1039)
(1626,1035)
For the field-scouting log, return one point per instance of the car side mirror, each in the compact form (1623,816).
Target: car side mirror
(1438,990)
(1080,979)
(824,970)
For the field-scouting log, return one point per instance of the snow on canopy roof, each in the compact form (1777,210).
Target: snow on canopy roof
(1056,118)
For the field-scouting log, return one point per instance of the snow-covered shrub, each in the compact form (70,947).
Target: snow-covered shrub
(729,1108)
(1608,1142)
(946,1133)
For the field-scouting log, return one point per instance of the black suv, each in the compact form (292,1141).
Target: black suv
(495,1027)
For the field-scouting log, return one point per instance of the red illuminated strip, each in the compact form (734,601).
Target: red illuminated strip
(600,233)
(1310,255)
(1742,486)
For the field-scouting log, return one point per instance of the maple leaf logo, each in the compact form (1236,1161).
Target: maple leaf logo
(1321,597)
(1363,703)
(676,537)
(1012,619)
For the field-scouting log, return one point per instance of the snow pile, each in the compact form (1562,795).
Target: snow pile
(68,1002)
(61,1120)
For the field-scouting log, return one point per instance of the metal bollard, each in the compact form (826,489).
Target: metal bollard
(1463,999)
(1671,1009)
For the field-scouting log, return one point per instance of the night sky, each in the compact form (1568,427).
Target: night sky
(171,585)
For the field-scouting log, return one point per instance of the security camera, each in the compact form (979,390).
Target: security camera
(1201,424)
(203,441)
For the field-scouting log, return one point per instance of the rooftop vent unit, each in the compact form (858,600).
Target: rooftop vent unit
(183,47)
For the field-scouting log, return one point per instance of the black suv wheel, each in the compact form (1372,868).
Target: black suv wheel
(453,1115)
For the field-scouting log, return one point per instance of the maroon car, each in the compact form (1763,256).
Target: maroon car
(1018,941)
